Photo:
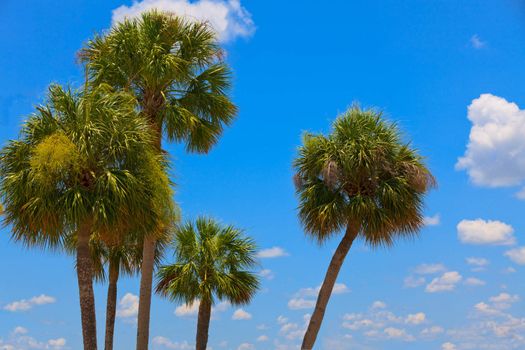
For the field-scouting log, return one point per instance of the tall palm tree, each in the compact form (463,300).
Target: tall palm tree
(362,179)
(176,70)
(212,263)
(83,164)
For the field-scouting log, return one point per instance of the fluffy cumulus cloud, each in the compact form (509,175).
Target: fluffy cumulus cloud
(495,155)
(128,307)
(432,220)
(228,17)
(19,339)
(240,314)
(27,304)
(378,323)
(492,326)
(190,310)
(481,231)
(517,255)
(416,279)
(444,283)
(274,252)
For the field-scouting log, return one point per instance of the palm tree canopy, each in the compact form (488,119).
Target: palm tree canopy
(84,154)
(211,260)
(362,173)
(175,68)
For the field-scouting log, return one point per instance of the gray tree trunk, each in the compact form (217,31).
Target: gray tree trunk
(146,279)
(111,306)
(85,287)
(203,325)
(328,285)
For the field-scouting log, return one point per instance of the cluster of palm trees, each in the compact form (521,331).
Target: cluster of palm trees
(88,176)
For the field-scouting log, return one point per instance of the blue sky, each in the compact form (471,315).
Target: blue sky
(447,71)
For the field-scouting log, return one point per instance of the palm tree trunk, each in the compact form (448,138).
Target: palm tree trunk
(111,307)
(328,284)
(148,260)
(203,325)
(85,287)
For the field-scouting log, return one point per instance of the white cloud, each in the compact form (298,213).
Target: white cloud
(240,314)
(503,300)
(517,255)
(300,303)
(165,342)
(418,318)
(495,155)
(448,346)
(187,309)
(128,307)
(429,269)
(478,262)
(397,333)
(376,305)
(274,252)
(266,273)
(414,282)
(20,330)
(246,346)
(19,339)
(57,343)
(480,231)
(444,283)
(262,338)
(27,304)
(476,42)
(227,17)
(432,331)
(432,220)
(474,282)
(304,298)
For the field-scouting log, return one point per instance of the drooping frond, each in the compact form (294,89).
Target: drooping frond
(176,70)
(362,172)
(211,261)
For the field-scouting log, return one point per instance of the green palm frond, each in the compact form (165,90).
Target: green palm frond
(176,70)
(84,153)
(212,261)
(362,172)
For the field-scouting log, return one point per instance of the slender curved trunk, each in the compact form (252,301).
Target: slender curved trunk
(111,306)
(203,325)
(328,285)
(85,287)
(146,278)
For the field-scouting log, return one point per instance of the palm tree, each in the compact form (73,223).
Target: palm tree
(212,263)
(363,179)
(83,164)
(176,70)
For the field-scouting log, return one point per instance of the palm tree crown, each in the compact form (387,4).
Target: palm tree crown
(175,68)
(364,174)
(211,261)
(83,154)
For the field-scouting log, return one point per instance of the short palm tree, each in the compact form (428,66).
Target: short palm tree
(176,70)
(361,179)
(213,263)
(84,164)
